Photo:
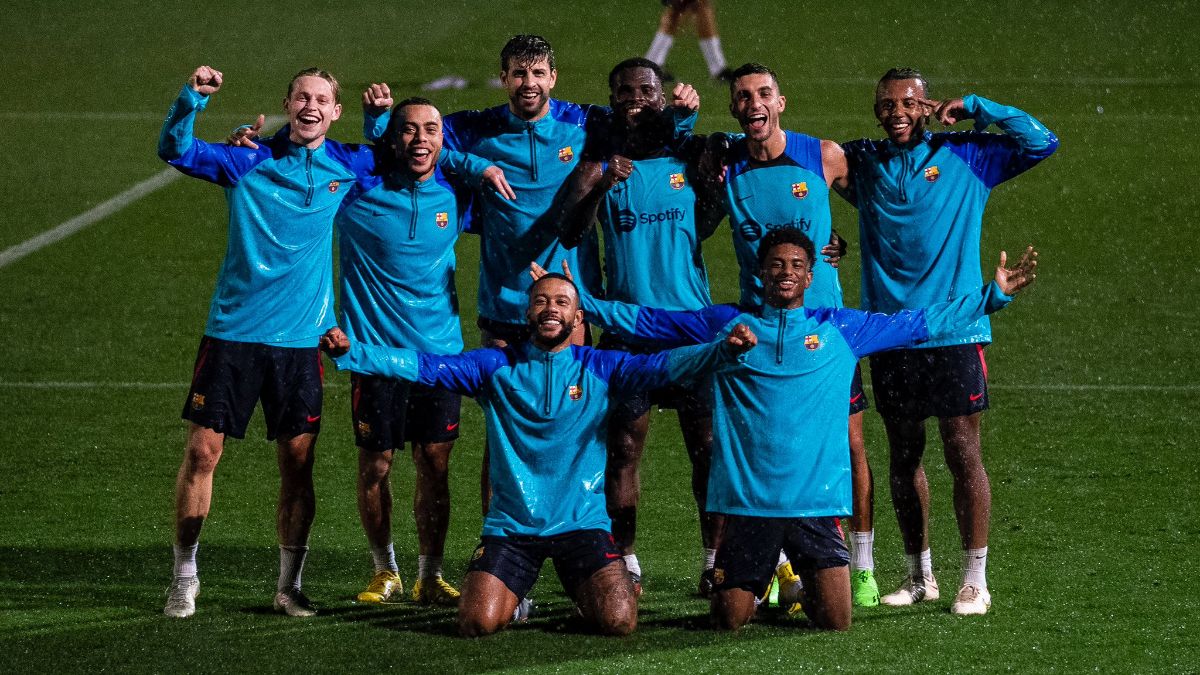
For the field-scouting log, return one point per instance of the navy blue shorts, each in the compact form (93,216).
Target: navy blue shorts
(516,560)
(858,399)
(693,401)
(231,377)
(914,384)
(750,551)
(389,412)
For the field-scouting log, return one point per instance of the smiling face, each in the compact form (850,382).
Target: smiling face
(756,104)
(637,96)
(528,85)
(311,107)
(553,312)
(418,139)
(786,274)
(899,109)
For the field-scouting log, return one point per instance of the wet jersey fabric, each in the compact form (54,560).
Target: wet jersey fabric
(780,429)
(921,208)
(789,191)
(546,416)
(651,247)
(276,281)
(396,241)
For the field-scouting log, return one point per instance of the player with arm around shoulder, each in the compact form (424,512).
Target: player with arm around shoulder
(546,403)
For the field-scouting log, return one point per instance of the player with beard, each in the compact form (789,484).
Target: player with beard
(774,178)
(920,198)
(781,465)
(546,403)
(641,191)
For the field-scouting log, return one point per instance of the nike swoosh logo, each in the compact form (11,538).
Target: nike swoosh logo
(452,427)
(312,419)
(855,399)
(976,397)
(612,556)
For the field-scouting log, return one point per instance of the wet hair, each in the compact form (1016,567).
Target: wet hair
(526,50)
(630,64)
(905,74)
(554,275)
(786,235)
(751,69)
(393,127)
(321,73)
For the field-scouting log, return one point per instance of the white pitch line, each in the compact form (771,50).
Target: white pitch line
(1118,388)
(98,212)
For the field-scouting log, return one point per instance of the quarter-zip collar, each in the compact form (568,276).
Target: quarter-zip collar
(780,318)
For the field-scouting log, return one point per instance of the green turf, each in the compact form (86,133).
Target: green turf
(1090,443)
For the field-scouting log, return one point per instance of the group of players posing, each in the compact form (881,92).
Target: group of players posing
(761,386)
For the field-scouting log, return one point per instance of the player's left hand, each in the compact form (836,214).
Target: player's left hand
(685,96)
(243,136)
(949,112)
(536,271)
(494,176)
(334,342)
(835,249)
(1012,280)
(741,339)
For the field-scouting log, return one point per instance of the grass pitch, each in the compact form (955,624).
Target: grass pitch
(1090,443)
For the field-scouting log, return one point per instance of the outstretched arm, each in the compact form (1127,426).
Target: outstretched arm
(461,373)
(639,372)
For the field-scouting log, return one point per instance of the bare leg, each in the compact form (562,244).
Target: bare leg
(972,490)
(375,496)
(431,499)
(827,597)
(297,499)
(607,600)
(698,439)
(193,484)
(706,19)
(486,606)
(622,482)
(861,478)
(733,608)
(910,488)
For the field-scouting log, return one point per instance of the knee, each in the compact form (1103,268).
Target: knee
(723,619)
(433,459)
(474,625)
(373,467)
(202,455)
(619,625)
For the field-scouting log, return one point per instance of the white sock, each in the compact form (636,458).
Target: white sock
(631,562)
(710,558)
(291,566)
(385,558)
(921,563)
(659,48)
(783,560)
(975,566)
(429,566)
(862,550)
(713,56)
(185,560)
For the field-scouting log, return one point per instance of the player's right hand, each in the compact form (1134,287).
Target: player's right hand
(205,80)
(334,342)
(536,271)
(1012,280)
(741,339)
(243,136)
(377,99)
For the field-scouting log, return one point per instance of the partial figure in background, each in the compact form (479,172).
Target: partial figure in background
(676,11)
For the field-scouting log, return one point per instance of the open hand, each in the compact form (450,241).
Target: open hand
(243,136)
(494,176)
(1012,280)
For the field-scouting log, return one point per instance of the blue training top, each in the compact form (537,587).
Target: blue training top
(780,429)
(920,209)
(547,416)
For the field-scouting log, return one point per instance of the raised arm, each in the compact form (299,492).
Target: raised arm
(178,146)
(1025,143)
(869,333)
(587,186)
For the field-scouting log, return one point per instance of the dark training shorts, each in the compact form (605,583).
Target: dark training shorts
(858,399)
(230,377)
(516,560)
(389,412)
(750,551)
(694,401)
(913,384)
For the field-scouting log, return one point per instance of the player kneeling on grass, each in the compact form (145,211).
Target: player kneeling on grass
(781,461)
(546,404)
